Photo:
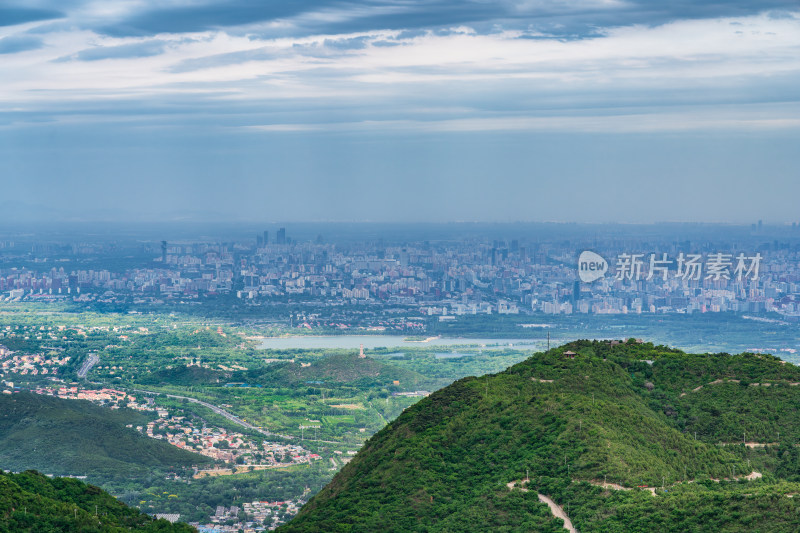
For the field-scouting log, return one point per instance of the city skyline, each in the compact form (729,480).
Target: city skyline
(595,111)
(715,269)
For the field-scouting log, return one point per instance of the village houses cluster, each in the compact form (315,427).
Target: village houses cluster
(219,444)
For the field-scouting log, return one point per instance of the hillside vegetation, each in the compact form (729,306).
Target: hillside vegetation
(73,437)
(661,430)
(183,376)
(32,502)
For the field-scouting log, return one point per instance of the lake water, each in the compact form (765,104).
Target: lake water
(352,342)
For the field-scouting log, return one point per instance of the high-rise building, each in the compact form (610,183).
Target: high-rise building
(281,239)
(266,237)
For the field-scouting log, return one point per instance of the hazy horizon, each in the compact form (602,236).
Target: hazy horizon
(12,213)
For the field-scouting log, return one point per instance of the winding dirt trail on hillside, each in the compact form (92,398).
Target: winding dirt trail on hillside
(556,509)
(754,384)
(615,486)
(558,512)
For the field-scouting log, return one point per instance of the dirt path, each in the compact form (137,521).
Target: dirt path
(558,512)
(750,444)
(556,509)
(513,484)
(615,486)
(731,380)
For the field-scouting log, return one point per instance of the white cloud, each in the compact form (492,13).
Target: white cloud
(704,56)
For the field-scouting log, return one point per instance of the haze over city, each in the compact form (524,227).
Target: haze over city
(591,111)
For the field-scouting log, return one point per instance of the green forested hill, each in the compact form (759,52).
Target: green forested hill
(662,428)
(73,437)
(31,502)
(183,376)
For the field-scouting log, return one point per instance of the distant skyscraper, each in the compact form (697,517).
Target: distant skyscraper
(281,236)
(164,252)
(266,237)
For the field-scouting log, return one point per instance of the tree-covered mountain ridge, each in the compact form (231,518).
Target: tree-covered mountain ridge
(624,436)
(75,437)
(32,502)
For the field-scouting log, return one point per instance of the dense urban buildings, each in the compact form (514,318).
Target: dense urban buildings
(721,269)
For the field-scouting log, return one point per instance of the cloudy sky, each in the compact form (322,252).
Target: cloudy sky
(400,110)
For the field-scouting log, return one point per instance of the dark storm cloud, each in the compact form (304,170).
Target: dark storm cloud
(306,17)
(9,16)
(577,18)
(206,16)
(19,43)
